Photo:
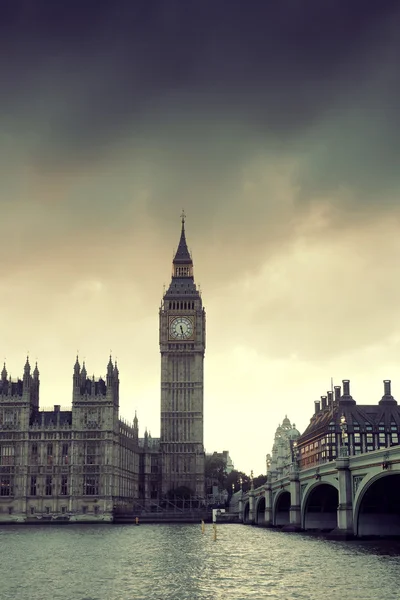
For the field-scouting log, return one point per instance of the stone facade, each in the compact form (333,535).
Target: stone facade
(73,464)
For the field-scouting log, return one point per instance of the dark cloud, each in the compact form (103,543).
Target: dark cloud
(83,75)
(245,115)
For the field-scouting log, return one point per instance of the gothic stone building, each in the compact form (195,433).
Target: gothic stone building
(81,464)
(66,464)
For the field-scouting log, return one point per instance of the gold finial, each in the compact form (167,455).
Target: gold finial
(183,217)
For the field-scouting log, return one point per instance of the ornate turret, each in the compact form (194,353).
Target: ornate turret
(77,367)
(35,388)
(27,376)
(4,373)
(36,372)
(110,370)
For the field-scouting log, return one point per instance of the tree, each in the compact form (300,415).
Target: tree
(259,480)
(215,470)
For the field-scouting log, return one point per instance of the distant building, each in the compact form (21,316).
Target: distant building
(338,420)
(225,458)
(278,462)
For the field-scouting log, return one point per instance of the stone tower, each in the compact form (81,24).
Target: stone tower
(182,346)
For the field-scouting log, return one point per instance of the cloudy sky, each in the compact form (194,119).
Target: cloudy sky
(275,125)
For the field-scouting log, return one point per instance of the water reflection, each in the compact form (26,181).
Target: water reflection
(178,562)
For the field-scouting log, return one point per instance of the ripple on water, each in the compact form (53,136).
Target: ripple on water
(178,562)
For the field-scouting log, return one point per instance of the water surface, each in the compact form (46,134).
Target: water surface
(178,562)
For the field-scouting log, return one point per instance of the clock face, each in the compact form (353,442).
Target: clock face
(181,328)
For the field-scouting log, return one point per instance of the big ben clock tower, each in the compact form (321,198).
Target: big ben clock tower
(182,346)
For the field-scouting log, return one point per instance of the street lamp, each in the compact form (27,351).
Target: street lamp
(295,452)
(268,463)
(343,427)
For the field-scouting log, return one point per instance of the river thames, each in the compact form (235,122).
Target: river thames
(178,562)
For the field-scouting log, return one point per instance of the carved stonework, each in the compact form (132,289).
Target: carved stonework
(356,482)
(9,419)
(92,418)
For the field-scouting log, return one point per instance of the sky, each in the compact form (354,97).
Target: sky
(275,126)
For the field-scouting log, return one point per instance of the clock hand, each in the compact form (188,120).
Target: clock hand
(181,330)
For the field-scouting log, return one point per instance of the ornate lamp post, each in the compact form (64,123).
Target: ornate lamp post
(343,447)
(240,505)
(295,456)
(268,463)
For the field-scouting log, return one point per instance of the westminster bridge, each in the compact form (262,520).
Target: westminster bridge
(352,496)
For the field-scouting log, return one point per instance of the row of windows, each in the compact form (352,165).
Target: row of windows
(181,305)
(368,426)
(183,271)
(90,486)
(356,438)
(32,510)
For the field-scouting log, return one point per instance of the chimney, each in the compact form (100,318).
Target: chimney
(337,394)
(346,387)
(387,397)
(323,402)
(57,408)
(330,402)
(346,398)
(317,407)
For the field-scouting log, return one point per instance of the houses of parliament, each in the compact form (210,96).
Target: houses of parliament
(82,464)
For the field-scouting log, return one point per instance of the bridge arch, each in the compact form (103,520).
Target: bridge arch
(260,510)
(377,506)
(281,514)
(319,507)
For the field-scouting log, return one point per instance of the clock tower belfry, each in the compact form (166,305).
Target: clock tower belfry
(182,346)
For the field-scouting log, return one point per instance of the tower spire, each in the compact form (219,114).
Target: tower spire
(182,263)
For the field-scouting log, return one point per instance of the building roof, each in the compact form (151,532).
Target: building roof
(356,415)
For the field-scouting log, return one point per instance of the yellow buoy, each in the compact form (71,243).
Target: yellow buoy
(202,527)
